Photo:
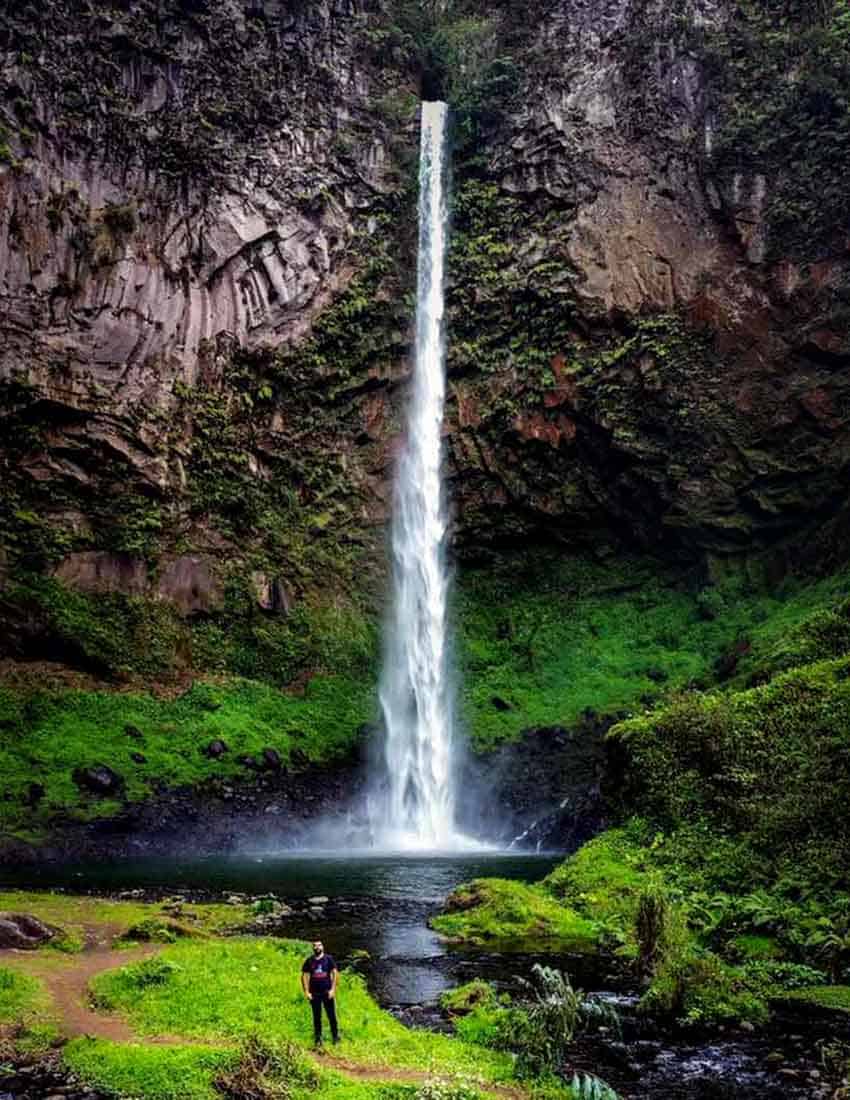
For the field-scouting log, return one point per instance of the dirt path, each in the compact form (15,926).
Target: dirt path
(68,981)
(414,1076)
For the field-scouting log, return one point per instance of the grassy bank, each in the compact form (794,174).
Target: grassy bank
(730,889)
(50,734)
(207,1012)
(540,641)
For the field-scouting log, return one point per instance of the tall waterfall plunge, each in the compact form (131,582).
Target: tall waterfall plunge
(416,690)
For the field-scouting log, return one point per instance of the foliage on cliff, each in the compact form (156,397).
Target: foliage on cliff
(786,116)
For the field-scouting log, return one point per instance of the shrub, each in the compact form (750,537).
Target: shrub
(267,1071)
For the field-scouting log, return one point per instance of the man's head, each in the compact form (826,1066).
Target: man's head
(318,948)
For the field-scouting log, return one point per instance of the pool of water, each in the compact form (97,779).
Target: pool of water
(419,878)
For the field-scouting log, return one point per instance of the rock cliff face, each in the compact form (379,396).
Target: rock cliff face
(206,248)
(653,345)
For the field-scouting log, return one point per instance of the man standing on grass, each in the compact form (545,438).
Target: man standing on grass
(319,976)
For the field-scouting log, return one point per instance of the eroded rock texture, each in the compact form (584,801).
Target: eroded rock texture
(184,184)
(206,254)
(647,349)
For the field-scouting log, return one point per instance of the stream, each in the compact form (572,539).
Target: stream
(380,905)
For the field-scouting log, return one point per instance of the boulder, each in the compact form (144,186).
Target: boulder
(272,759)
(35,793)
(22,930)
(271,594)
(99,779)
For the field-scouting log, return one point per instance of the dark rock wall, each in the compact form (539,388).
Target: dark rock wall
(207,253)
(646,342)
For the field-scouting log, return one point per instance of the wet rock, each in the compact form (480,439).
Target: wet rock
(320,899)
(248,761)
(216,749)
(271,759)
(99,779)
(35,793)
(271,594)
(100,571)
(138,758)
(23,931)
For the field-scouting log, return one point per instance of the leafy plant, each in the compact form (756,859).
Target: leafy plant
(267,1071)
(541,1030)
(587,1087)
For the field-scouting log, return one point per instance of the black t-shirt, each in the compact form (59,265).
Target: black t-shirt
(320,973)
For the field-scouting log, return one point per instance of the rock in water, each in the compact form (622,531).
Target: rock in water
(99,779)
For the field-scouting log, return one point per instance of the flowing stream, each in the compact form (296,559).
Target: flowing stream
(417,807)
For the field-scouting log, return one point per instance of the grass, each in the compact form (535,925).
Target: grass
(188,1072)
(513,916)
(48,735)
(73,914)
(152,1072)
(604,879)
(20,995)
(835,997)
(225,991)
(552,636)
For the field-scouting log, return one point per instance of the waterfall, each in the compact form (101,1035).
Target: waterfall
(416,690)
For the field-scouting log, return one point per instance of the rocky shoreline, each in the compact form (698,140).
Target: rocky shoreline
(543,792)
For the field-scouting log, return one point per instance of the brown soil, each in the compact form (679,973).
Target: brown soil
(68,987)
(414,1076)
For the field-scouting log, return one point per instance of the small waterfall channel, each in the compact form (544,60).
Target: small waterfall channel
(417,808)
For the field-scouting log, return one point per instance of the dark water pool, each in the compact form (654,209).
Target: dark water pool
(421,878)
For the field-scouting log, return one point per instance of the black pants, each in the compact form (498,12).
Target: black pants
(319,999)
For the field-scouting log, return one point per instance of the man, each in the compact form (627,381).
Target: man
(319,977)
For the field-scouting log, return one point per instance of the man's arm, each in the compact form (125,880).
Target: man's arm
(334,980)
(305,984)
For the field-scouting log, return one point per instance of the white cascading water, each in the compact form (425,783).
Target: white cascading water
(416,686)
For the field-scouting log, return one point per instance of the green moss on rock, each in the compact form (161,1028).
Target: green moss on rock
(513,916)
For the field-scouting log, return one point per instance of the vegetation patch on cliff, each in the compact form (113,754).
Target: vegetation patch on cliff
(212,734)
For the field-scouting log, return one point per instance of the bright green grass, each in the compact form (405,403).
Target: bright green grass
(836,997)
(222,991)
(553,636)
(514,916)
(73,914)
(151,1072)
(20,996)
(48,735)
(188,1072)
(604,879)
